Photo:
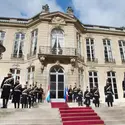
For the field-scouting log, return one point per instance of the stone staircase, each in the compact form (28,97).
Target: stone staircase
(42,115)
(112,115)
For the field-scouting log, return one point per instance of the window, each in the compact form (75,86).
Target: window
(2,35)
(80,77)
(93,80)
(78,38)
(107,50)
(57,41)
(122,49)
(19,44)
(15,73)
(34,35)
(90,49)
(112,80)
(30,73)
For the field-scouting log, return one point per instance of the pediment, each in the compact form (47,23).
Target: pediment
(57,18)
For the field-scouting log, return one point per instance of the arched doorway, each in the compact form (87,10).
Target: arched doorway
(56,83)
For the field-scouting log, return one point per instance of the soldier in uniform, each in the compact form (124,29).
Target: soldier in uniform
(40,93)
(24,99)
(6,86)
(70,92)
(75,92)
(17,91)
(87,97)
(80,96)
(96,96)
(109,94)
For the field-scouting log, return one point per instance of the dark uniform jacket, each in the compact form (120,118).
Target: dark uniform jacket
(7,85)
(109,93)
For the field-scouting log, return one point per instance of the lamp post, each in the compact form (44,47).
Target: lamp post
(2,49)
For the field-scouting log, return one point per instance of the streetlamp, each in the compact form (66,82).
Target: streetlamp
(2,49)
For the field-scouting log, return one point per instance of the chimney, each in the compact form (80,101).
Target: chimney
(70,11)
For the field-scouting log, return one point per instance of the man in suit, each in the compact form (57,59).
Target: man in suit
(6,86)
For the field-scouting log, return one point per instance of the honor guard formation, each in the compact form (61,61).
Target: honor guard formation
(32,94)
(27,96)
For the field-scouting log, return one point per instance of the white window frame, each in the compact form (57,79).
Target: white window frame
(19,41)
(123,49)
(34,35)
(15,75)
(109,50)
(78,38)
(111,77)
(30,75)
(93,79)
(2,33)
(56,36)
(92,58)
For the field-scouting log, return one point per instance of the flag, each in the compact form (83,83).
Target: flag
(48,94)
(66,94)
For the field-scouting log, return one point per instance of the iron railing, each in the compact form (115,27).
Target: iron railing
(92,60)
(17,56)
(66,51)
(109,60)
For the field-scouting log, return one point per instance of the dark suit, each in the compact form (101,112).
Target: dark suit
(7,85)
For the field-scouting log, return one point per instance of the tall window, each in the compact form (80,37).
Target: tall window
(93,80)
(19,44)
(2,36)
(15,73)
(34,35)
(80,77)
(122,49)
(57,41)
(90,49)
(112,80)
(107,50)
(78,38)
(30,73)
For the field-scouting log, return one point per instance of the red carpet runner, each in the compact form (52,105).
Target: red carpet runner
(77,115)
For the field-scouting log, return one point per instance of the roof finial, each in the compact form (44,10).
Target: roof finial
(70,11)
(45,8)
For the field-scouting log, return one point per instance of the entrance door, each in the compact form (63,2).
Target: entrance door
(56,83)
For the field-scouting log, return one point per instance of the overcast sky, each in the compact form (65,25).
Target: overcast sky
(98,12)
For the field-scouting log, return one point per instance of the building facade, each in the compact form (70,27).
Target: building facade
(55,49)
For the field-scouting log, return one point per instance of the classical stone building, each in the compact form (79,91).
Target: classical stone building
(55,49)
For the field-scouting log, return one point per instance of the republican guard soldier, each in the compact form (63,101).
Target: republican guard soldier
(17,94)
(87,97)
(6,86)
(80,97)
(109,94)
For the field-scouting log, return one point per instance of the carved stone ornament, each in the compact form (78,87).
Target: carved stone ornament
(72,61)
(45,8)
(42,60)
(70,10)
(57,63)
(58,20)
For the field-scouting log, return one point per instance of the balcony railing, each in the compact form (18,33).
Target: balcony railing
(17,56)
(57,51)
(92,60)
(64,51)
(109,60)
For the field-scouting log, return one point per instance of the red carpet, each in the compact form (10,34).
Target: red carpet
(59,105)
(79,116)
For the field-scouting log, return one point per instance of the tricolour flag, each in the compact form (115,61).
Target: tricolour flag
(48,94)
(66,94)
